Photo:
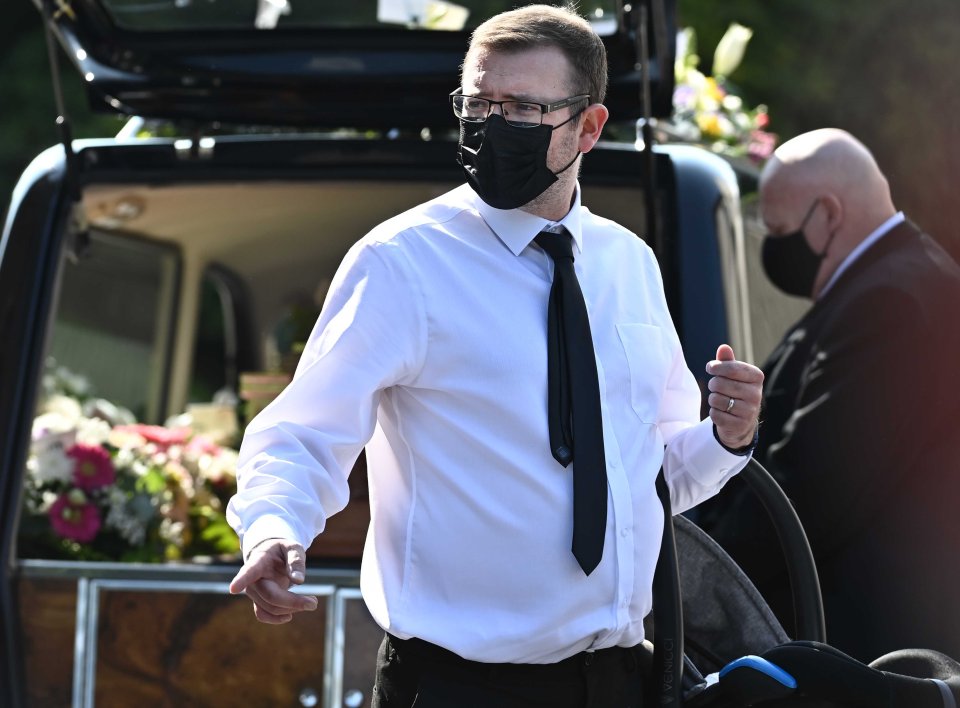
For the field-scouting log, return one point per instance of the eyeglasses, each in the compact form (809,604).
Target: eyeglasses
(522,114)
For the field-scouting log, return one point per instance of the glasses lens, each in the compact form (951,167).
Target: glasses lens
(470,108)
(523,115)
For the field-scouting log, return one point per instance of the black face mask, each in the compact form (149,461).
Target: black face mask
(507,165)
(790,263)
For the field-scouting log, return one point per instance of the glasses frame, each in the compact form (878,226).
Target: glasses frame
(544,107)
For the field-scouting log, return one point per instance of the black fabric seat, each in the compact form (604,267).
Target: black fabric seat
(724,615)
(725,618)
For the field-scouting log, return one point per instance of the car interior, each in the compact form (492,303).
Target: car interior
(246,255)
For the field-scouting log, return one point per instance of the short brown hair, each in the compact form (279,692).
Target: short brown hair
(551,26)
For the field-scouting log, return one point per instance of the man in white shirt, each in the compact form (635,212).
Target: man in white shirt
(860,407)
(432,351)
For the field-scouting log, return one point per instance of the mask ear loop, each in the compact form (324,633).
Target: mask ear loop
(558,125)
(569,164)
(803,226)
(826,246)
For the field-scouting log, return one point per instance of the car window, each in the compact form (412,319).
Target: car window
(117,295)
(360,14)
(214,369)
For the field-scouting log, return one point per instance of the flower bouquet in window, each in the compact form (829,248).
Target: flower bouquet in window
(101,487)
(706,109)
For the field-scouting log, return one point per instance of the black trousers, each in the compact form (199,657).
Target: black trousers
(415,674)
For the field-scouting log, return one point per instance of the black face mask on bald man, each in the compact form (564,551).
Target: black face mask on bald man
(507,165)
(790,263)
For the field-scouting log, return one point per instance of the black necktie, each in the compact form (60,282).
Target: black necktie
(573,407)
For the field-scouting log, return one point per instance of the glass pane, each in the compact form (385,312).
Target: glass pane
(285,14)
(105,481)
(213,368)
(117,298)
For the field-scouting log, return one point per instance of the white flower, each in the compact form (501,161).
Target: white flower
(732,103)
(76,384)
(172,532)
(217,468)
(686,41)
(68,408)
(51,428)
(123,517)
(124,457)
(50,464)
(158,457)
(108,411)
(92,431)
(727,129)
(729,51)
(40,504)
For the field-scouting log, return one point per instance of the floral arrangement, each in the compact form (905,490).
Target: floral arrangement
(705,108)
(100,486)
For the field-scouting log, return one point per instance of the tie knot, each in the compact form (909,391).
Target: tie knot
(557,245)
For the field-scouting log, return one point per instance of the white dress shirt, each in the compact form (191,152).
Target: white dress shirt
(431,350)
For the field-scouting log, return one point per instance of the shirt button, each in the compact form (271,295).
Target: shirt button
(625,532)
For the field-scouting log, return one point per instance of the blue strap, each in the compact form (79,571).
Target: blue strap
(767,668)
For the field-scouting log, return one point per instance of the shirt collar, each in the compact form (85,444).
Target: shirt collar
(874,236)
(517,228)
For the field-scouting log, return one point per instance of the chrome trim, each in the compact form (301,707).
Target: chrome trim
(90,642)
(80,642)
(35,568)
(337,645)
(94,577)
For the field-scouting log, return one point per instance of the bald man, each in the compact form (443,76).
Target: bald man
(862,404)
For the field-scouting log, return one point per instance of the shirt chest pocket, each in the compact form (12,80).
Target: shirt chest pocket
(648,363)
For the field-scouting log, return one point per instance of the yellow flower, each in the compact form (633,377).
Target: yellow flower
(709,124)
(713,90)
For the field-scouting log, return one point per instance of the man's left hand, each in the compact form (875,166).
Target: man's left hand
(735,392)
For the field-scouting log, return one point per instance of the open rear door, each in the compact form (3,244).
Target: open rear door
(29,255)
(369,64)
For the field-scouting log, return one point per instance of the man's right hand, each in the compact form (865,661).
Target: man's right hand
(269,571)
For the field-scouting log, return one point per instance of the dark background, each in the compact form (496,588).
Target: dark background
(886,70)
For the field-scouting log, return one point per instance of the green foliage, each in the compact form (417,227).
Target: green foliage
(27,108)
(216,534)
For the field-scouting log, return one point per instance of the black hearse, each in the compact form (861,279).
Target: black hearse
(170,267)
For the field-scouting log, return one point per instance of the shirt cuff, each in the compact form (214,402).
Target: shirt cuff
(265,528)
(743,451)
(707,462)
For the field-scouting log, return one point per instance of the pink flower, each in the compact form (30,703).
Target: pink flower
(761,145)
(157,434)
(92,466)
(202,445)
(74,519)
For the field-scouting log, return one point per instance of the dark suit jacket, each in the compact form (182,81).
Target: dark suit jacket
(861,426)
